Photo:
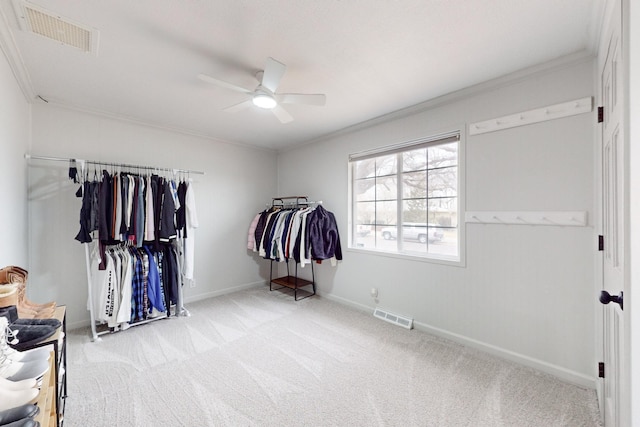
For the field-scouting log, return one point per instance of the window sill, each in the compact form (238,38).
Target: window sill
(431,259)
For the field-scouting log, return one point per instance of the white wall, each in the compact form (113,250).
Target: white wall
(526,292)
(237,184)
(14,142)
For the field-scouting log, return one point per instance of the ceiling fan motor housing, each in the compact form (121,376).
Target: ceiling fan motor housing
(263,98)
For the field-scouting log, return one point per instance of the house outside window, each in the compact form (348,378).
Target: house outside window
(405,199)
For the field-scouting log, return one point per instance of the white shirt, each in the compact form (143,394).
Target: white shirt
(191,218)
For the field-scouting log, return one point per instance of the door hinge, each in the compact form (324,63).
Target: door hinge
(601,242)
(600,114)
(601,370)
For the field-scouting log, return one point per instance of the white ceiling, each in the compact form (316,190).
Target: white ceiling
(370,57)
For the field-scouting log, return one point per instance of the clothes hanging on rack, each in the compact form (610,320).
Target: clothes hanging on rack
(141,228)
(136,284)
(190,225)
(127,207)
(303,234)
(323,236)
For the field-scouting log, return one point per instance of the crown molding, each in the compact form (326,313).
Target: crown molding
(54,103)
(476,89)
(11,52)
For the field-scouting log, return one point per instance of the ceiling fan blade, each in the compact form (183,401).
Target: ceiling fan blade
(302,98)
(273,72)
(239,107)
(282,114)
(222,83)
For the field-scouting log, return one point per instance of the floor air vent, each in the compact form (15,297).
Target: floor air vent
(405,322)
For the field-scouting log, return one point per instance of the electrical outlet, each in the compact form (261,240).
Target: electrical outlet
(192,283)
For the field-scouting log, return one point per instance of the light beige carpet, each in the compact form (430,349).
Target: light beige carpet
(258,358)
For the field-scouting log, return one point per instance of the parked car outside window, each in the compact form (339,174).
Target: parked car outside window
(363,230)
(423,233)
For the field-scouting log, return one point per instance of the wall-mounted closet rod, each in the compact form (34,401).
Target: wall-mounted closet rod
(122,165)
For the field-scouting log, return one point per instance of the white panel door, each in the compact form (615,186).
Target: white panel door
(613,222)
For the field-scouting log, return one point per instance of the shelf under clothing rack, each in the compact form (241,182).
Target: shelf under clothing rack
(100,163)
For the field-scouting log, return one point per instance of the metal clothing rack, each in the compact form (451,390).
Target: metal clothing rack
(121,165)
(293,282)
(180,310)
(279,202)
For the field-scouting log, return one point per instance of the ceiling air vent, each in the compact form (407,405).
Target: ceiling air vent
(47,24)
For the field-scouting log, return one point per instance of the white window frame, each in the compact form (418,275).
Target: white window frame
(458,260)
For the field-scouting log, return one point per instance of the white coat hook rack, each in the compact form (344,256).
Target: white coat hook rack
(565,109)
(557,218)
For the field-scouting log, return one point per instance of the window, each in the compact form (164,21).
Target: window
(405,199)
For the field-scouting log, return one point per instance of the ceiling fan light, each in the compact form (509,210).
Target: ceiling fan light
(263,100)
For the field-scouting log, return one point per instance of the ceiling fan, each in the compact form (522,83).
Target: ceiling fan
(264,95)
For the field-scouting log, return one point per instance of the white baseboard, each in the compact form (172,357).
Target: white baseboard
(79,324)
(87,323)
(564,374)
(224,291)
(344,301)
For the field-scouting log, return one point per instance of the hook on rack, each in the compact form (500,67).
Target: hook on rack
(524,221)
